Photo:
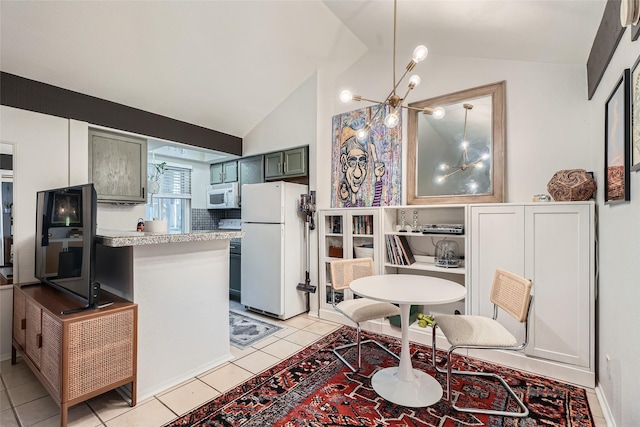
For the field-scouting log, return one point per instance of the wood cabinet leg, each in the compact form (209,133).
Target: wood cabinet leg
(134,393)
(64,412)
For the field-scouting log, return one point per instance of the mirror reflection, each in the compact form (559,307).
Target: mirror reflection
(6,218)
(458,158)
(462,140)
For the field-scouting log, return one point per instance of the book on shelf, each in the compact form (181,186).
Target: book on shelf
(399,251)
(406,250)
(391,253)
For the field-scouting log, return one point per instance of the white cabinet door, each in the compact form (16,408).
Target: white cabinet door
(551,244)
(497,241)
(559,262)
(339,232)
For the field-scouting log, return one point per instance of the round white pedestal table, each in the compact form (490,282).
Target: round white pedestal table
(403,384)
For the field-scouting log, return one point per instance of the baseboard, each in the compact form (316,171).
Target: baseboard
(604,405)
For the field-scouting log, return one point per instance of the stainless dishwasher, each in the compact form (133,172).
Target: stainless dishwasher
(235,251)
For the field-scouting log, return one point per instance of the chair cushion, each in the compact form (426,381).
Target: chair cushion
(474,330)
(362,309)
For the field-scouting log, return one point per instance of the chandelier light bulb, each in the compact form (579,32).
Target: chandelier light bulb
(362,134)
(485,156)
(420,53)
(440,179)
(479,165)
(465,145)
(473,185)
(438,113)
(346,96)
(393,100)
(443,166)
(391,120)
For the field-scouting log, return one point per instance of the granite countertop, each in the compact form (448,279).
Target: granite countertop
(119,238)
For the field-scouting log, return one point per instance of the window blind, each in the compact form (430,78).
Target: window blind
(175,182)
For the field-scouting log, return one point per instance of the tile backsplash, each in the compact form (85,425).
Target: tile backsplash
(207,219)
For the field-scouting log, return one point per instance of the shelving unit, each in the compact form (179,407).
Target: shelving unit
(342,232)
(347,229)
(423,246)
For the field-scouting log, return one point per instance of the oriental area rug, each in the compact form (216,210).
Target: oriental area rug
(313,388)
(245,331)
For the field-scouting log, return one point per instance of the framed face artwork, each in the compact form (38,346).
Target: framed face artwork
(617,141)
(635,116)
(365,172)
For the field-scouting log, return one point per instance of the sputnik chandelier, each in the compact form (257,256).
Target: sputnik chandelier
(393,100)
(464,161)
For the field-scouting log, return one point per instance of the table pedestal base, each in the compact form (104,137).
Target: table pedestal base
(424,390)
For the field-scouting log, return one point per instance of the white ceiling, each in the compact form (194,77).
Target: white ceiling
(225,65)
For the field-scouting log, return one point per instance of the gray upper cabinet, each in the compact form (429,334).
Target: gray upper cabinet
(273,164)
(224,172)
(250,171)
(289,163)
(118,167)
(295,162)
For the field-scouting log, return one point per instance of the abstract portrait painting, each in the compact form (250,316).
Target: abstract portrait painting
(365,172)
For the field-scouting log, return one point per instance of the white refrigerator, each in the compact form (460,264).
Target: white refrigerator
(273,249)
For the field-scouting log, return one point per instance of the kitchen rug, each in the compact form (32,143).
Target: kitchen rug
(245,331)
(314,388)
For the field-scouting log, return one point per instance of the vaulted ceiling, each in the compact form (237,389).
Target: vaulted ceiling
(225,65)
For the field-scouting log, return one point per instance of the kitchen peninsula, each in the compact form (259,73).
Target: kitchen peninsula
(180,283)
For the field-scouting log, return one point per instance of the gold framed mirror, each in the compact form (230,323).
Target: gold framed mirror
(460,157)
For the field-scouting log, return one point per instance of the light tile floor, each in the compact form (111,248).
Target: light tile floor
(24,402)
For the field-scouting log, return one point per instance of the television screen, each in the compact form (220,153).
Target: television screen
(65,241)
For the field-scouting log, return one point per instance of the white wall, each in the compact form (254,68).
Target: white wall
(546,110)
(200,179)
(291,124)
(40,162)
(619,252)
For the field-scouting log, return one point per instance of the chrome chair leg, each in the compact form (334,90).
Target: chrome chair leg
(359,343)
(449,371)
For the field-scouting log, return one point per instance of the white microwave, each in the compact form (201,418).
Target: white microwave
(223,196)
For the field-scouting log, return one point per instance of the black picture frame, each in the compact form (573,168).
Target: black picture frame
(617,137)
(635,116)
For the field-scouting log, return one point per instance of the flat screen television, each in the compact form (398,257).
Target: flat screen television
(65,242)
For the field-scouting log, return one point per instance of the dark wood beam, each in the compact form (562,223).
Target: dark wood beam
(604,45)
(31,95)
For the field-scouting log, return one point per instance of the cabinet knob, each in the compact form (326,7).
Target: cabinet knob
(23,324)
